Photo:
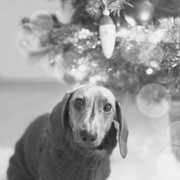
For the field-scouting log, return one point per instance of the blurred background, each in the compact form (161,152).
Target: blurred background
(29,89)
(26,90)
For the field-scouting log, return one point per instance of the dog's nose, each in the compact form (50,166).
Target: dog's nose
(88,137)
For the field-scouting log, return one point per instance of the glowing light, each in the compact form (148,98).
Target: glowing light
(149,71)
(148,106)
(144,16)
(98,77)
(79,76)
(92,80)
(82,68)
(83,33)
(94,64)
(73,71)
(123,32)
(153,64)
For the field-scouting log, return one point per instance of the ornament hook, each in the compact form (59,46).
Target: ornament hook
(106,11)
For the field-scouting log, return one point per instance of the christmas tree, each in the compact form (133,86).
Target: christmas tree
(123,45)
(129,46)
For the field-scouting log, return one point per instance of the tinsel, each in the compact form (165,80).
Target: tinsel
(137,49)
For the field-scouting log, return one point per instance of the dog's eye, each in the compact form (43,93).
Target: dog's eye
(107,107)
(78,103)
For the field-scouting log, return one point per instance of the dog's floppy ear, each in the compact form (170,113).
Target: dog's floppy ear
(123,130)
(57,118)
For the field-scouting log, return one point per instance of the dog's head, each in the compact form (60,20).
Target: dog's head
(90,111)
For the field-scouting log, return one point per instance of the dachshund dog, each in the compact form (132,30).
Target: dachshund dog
(74,141)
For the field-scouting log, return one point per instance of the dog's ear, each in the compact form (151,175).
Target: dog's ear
(57,119)
(123,130)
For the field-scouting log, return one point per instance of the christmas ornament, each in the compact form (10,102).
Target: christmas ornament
(65,12)
(41,22)
(140,12)
(73,75)
(80,40)
(107,31)
(148,97)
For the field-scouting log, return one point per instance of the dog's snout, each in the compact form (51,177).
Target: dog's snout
(88,137)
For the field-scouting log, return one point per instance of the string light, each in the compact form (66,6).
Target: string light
(144,16)
(92,80)
(149,71)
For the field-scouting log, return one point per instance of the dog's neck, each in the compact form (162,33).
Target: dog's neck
(89,157)
(77,162)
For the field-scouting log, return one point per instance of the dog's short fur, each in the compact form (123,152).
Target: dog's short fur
(89,113)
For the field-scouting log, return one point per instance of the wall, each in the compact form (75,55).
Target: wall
(12,64)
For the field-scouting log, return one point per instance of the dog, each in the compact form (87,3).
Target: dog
(75,141)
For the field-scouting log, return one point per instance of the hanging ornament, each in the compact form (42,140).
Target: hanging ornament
(68,77)
(141,12)
(41,22)
(65,12)
(107,31)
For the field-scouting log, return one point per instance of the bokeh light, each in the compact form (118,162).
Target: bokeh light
(26,42)
(123,32)
(147,100)
(149,71)
(41,22)
(144,16)
(82,68)
(168,165)
(92,80)
(173,133)
(175,108)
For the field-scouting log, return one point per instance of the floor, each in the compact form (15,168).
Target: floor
(149,156)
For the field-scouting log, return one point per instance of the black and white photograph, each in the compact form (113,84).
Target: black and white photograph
(90,90)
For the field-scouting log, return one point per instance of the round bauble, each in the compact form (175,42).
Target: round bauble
(107,32)
(141,12)
(41,22)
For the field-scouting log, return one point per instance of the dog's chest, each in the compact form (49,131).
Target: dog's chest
(57,166)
